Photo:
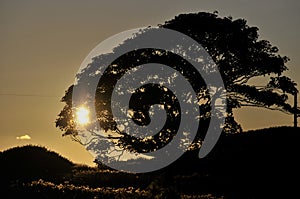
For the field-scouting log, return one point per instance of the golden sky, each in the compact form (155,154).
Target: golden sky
(42,44)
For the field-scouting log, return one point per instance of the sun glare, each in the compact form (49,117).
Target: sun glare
(82,116)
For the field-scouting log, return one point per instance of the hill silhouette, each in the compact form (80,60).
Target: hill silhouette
(255,164)
(30,162)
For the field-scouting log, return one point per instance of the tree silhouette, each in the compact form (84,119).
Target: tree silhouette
(239,55)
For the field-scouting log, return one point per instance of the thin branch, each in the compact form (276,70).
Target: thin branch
(242,80)
(270,108)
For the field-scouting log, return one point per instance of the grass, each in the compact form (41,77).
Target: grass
(255,164)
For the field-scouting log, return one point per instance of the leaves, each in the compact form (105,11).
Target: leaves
(233,45)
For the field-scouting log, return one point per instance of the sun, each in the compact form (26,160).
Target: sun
(82,116)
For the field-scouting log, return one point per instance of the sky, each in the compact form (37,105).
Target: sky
(43,43)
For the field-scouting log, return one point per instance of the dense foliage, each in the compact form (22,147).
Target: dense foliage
(233,45)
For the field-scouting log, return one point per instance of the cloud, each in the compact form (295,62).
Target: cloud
(23,137)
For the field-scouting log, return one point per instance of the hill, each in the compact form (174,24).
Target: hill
(255,164)
(32,162)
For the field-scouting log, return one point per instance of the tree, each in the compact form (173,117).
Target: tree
(235,48)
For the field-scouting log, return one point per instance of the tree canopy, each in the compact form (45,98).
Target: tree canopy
(240,56)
